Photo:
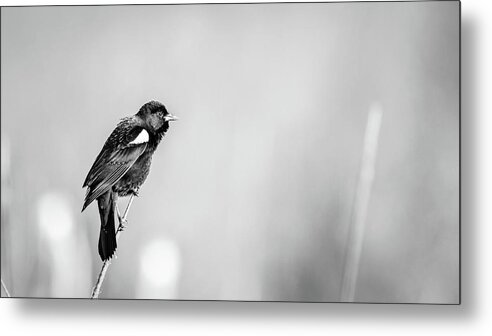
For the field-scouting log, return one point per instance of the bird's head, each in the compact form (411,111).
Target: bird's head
(155,116)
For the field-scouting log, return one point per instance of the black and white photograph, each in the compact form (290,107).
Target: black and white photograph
(286,152)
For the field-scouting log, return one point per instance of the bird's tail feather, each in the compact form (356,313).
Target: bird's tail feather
(107,235)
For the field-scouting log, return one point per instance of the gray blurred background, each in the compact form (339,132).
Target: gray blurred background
(251,194)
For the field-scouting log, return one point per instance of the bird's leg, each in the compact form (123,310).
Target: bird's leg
(128,207)
(122,220)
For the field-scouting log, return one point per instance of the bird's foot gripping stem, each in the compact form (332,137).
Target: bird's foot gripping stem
(123,222)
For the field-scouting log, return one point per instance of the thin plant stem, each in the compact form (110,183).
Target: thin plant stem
(102,274)
(5,288)
(359,212)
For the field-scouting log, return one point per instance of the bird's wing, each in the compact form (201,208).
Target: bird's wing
(119,153)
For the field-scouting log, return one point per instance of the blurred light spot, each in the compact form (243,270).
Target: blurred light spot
(55,220)
(160,263)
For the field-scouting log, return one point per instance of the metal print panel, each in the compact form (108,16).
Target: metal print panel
(258,152)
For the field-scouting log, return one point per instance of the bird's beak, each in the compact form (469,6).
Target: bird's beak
(170,118)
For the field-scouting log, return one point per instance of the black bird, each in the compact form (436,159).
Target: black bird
(123,165)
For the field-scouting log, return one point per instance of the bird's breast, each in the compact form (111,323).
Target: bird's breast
(135,176)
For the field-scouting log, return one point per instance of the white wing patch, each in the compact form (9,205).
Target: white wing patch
(141,138)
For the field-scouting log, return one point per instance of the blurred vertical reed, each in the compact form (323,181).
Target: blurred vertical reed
(5,201)
(5,288)
(359,212)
